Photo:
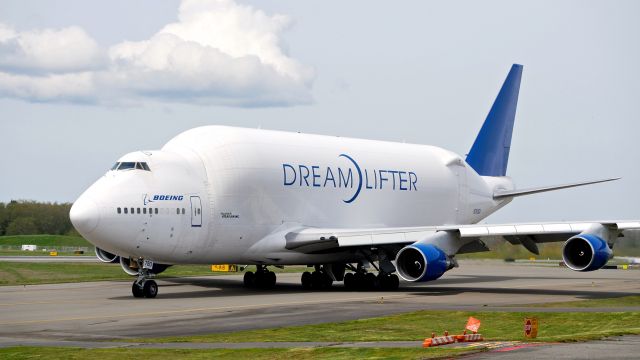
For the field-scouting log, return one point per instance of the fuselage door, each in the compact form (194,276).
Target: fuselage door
(196,211)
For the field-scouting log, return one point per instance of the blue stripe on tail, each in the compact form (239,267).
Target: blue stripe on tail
(490,152)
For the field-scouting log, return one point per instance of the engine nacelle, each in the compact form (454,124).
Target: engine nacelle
(422,262)
(586,252)
(131,268)
(106,256)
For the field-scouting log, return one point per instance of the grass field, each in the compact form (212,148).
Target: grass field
(611,302)
(27,273)
(557,326)
(412,326)
(15,273)
(47,241)
(254,354)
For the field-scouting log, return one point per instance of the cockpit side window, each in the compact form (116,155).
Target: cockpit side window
(145,166)
(139,166)
(115,166)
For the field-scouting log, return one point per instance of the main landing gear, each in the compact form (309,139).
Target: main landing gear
(319,279)
(360,279)
(262,279)
(143,286)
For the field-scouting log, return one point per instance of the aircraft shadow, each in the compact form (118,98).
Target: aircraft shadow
(232,287)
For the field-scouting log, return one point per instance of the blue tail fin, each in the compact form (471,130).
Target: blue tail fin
(490,152)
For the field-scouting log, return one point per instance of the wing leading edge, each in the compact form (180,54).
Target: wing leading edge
(527,234)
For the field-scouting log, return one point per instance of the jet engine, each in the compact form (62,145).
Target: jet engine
(106,256)
(422,262)
(586,252)
(131,267)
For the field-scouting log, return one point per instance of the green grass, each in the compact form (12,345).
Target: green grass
(623,301)
(254,354)
(19,273)
(14,273)
(42,253)
(48,241)
(27,273)
(503,326)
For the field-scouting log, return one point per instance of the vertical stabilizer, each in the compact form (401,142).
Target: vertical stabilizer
(490,152)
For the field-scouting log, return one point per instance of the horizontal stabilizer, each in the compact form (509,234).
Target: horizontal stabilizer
(513,193)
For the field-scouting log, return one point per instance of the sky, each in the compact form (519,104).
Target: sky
(82,83)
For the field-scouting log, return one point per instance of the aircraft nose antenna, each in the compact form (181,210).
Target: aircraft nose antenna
(84,215)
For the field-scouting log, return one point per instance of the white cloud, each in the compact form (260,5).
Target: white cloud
(48,51)
(218,52)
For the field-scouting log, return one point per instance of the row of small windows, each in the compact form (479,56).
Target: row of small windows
(128,165)
(144,211)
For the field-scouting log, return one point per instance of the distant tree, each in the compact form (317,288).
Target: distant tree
(48,218)
(22,226)
(3,219)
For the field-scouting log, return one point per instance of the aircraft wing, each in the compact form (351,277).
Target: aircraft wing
(309,240)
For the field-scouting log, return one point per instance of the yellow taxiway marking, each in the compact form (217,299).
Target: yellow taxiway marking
(186,311)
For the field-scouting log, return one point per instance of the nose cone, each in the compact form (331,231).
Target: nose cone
(84,215)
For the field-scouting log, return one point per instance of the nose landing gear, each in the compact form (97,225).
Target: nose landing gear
(143,286)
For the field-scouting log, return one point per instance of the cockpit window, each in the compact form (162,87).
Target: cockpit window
(126,165)
(131,165)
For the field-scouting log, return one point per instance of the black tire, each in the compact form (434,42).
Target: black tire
(358,280)
(318,280)
(384,281)
(307,280)
(349,281)
(370,281)
(271,279)
(150,289)
(136,290)
(249,279)
(328,281)
(394,282)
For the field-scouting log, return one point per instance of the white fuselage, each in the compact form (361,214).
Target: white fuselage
(239,186)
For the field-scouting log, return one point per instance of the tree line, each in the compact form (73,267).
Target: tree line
(26,217)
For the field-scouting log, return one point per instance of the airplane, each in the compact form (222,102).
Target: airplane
(342,206)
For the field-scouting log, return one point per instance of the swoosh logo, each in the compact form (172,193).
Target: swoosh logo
(146,200)
(359,178)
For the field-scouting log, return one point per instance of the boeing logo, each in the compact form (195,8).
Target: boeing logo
(162,198)
(351,177)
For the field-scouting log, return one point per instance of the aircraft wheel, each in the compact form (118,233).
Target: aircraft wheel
(249,279)
(388,281)
(307,280)
(349,281)
(271,279)
(136,290)
(370,281)
(384,281)
(327,281)
(318,280)
(394,282)
(150,289)
(358,280)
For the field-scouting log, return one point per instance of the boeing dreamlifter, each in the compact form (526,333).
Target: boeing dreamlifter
(219,195)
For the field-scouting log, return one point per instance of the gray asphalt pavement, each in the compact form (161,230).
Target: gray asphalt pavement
(89,312)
